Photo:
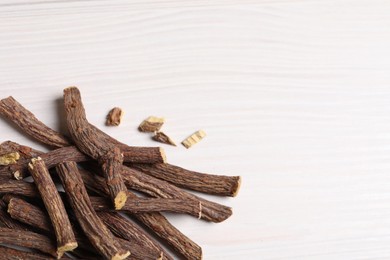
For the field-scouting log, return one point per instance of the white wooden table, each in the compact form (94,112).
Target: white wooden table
(294,96)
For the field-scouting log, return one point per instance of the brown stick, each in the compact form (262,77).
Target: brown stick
(12,110)
(111,164)
(202,182)
(179,242)
(90,141)
(138,205)
(65,154)
(18,187)
(28,239)
(13,254)
(137,251)
(134,179)
(29,214)
(24,151)
(143,154)
(129,231)
(66,240)
(93,227)
(156,222)
(7,221)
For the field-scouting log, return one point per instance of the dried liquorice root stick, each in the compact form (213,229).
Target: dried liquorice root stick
(29,214)
(66,240)
(101,238)
(7,221)
(143,154)
(24,151)
(137,252)
(156,222)
(202,182)
(28,239)
(111,164)
(13,254)
(177,240)
(91,142)
(26,120)
(18,187)
(127,230)
(136,180)
(138,205)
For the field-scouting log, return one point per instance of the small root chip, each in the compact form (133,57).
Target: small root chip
(114,117)
(151,124)
(9,158)
(193,139)
(163,138)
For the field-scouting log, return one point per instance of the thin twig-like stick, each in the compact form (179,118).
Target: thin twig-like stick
(66,240)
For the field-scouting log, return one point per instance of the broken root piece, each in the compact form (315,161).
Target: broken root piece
(151,124)
(114,117)
(163,138)
(193,139)
(9,158)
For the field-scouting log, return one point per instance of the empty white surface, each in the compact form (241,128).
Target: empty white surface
(294,97)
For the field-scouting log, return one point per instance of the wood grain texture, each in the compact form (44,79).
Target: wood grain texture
(294,96)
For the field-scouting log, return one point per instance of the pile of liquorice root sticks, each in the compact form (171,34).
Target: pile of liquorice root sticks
(93,197)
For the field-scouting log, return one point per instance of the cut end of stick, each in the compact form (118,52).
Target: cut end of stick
(70,88)
(119,256)
(33,162)
(163,155)
(120,200)
(238,186)
(9,158)
(67,247)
